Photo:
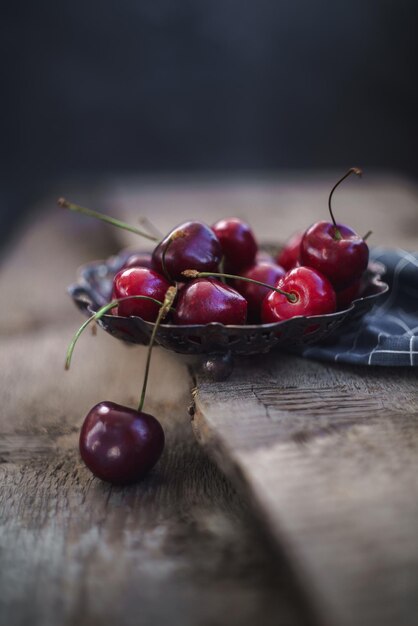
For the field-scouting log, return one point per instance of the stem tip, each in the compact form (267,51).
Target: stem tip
(191,273)
(63,203)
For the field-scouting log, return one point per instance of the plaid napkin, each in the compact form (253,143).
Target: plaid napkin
(388,335)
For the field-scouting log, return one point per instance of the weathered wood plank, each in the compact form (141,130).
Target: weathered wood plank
(178,548)
(327,454)
(334,470)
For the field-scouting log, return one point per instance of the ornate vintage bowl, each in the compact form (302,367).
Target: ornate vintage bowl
(217,342)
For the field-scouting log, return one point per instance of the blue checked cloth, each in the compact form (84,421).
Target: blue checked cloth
(388,335)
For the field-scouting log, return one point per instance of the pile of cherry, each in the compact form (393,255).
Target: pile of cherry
(199,274)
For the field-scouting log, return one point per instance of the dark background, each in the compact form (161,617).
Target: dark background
(104,86)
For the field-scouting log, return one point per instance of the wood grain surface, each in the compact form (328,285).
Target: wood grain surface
(330,456)
(327,454)
(320,525)
(181,547)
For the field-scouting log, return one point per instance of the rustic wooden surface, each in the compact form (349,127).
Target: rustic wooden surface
(330,455)
(325,455)
(180,548)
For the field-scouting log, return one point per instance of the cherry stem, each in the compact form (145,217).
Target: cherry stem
(163,312)
(353,170)
(150,226)
(63,203)
(98,315)
(222,269)
(195,274)
(177,235)
(367,235)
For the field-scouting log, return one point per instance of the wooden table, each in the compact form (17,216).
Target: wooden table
(317,520)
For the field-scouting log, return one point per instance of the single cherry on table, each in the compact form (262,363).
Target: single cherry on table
(119,444)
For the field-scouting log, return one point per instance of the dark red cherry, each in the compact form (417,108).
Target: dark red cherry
(265,272)
(354,291)
(139,259)
(313,293)
(192,244)
(239,246)
(139,281)
(118,444)
(342,258)
(289,255)
(206,300)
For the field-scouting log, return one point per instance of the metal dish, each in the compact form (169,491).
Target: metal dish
(218,342)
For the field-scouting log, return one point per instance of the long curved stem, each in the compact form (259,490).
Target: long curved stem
(63,203)
(94,318)
(353,170)
(164,310)
(195,274)
(150,226)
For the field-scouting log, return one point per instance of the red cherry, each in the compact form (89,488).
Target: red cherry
(238,243)
(192,244)
(334,249)
(343,260)
(119,444)
(139,259)
(206,300)
(313,291)
(269,273)
(289,255)
(139,281)
(346,296)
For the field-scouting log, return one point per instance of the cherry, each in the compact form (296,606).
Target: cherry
(346,296)
(312,291)
(139,281)
(119,444)
(206,300)
(238,243)
(341,260)
(254,293)
(334,249)
(192,244)
(289,255)
(139,259)
(355,290)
